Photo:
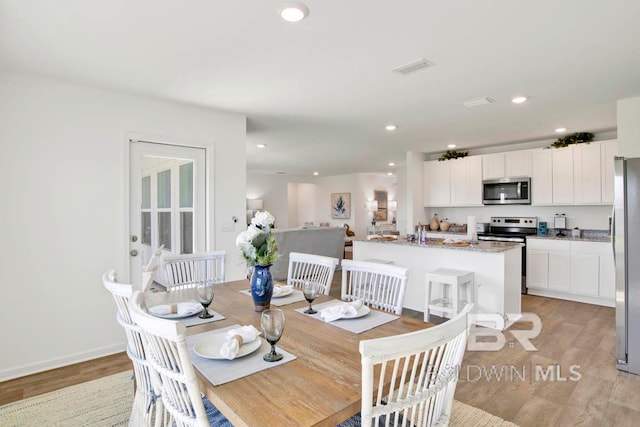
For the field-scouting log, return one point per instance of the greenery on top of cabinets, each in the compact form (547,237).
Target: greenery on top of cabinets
(574,138)
(453,154)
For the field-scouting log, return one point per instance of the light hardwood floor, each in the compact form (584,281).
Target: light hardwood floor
(572,334)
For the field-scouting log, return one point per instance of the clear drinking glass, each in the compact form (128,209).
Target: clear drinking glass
(272,322)
(205,296)
(310,291)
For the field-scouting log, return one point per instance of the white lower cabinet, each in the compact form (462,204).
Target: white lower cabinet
(574,270)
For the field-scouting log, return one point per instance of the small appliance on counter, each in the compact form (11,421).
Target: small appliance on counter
(482,227)
(542,228)
(575,233)
(559,224)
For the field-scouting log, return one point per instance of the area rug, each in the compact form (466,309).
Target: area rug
(107,402)
(464,415)
(103,402)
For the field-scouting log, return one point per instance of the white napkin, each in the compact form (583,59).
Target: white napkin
(181,309)
(450,241)
(281,289)
(338,311)
(235,338)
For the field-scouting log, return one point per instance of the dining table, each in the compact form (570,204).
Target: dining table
(321,386)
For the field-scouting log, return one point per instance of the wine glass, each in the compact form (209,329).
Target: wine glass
(272,321)
(205,296)
(310,291)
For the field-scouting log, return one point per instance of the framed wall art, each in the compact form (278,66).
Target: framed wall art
(381,197)
(341,205)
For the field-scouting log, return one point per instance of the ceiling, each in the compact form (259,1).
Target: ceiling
(319,92)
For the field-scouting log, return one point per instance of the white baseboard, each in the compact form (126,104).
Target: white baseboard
(571,297)
(21,371)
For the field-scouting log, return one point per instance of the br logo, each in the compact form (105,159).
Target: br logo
(491,338)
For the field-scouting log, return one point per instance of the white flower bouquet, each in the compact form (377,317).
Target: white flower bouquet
(257,244)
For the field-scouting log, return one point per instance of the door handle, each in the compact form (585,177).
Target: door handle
(133,252)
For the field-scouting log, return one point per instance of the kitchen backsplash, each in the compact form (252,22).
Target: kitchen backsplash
(583,217)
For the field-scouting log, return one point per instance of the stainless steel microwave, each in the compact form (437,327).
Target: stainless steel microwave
(507,191)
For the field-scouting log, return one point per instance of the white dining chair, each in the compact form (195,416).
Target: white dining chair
(146,410)
(410,379)
(308,267)
(185,271)
(166,348)
(380,286)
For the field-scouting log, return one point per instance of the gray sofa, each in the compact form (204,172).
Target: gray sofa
(327,241)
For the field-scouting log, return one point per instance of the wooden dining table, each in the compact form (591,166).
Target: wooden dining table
(321,387)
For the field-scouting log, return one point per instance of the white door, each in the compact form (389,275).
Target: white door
(167,201)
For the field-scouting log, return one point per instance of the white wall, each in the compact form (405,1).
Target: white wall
(310,199)
(629,127)
(64,163)
(583,217)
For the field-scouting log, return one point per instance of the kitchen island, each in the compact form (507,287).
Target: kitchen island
(496,267)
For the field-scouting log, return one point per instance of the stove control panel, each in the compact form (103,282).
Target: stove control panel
(514,222)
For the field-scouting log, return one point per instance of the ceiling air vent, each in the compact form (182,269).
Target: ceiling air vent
(478,101)
(413,66)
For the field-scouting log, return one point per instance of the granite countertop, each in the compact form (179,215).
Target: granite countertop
(605,239)
(585,236)
(489,247)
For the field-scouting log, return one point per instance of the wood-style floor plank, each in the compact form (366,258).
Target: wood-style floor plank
(572,334)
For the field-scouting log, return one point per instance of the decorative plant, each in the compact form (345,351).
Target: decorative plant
(257,244)
(574,138)
(453,154)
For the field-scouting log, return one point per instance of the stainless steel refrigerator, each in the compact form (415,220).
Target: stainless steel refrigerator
(626,251)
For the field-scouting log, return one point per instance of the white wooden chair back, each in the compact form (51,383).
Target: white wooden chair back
(146,410)
(410,379)
(380,286)
(314,268)
(164,343)
(185,271)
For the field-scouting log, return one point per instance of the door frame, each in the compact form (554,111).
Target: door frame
(209,223)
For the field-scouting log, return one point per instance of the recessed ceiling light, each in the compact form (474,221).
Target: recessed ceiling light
(451,146)
(391,164)
(560,130)
(391,127)
(261,145)
(389,173)
(519,99)
(316,173)
(293,11)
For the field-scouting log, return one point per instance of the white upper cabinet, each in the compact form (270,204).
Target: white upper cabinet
(506,165)
(517,163)
(541,177)
(587,176)
(436,183)
(466,181)
(493,166)
(608,151)
(562,175)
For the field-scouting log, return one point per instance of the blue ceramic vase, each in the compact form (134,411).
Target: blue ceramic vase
(261,287)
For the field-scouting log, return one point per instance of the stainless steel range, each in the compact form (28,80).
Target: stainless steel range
(512,229)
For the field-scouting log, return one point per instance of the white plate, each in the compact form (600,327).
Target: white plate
(362,311)
(209,347)
(194,308)
(283,294)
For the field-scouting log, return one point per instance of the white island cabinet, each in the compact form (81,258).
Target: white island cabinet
(496,267)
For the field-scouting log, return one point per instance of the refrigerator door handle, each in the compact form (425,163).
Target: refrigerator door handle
(613,233)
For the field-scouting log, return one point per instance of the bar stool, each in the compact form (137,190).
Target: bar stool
(456,290)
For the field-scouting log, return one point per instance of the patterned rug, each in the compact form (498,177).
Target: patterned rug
(107,402)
